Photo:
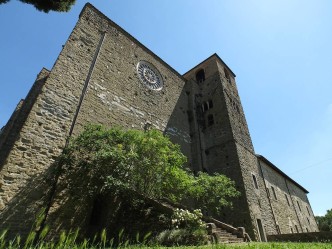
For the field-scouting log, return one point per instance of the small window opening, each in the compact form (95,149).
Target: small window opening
(210,120)
(200,76)
(291,230)
(308,210)
(308,220)
(205,106)
(298,204)
(307,230)
(255,181)
(274,193)
(210,104)
(287,200)
(297,230)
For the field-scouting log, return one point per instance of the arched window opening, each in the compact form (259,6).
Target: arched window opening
(255,181)
(200,76)
(210,104)
(205,106)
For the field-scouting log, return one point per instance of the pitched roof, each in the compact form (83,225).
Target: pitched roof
(275,168)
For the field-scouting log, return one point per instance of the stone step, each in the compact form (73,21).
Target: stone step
(226,237)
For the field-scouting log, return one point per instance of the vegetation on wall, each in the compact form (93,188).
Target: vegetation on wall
(325,222)
(48,5)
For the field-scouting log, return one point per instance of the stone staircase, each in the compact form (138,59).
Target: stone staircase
(220,232)
(221,236)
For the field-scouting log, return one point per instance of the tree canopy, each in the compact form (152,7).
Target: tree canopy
(48,5)
(325,222)
(144,162)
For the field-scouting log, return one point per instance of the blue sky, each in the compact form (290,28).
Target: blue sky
(280,51)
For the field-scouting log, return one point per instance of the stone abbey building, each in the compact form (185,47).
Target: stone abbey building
(103,75)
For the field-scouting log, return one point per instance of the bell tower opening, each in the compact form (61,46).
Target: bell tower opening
(200,76)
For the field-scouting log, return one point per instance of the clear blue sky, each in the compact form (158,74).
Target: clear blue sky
(280,50)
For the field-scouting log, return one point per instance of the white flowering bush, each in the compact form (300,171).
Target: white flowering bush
(187,228)
(182,218)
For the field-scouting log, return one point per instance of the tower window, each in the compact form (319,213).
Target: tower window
(210,120)
(205,106)
(200,76)
(255,181)
(210,104)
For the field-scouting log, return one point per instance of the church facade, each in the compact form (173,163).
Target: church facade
(103,75)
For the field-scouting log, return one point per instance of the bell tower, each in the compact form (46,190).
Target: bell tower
(221,141)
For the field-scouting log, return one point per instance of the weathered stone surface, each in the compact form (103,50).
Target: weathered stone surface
(95,80)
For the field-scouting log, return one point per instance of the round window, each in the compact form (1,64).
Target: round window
(149,75)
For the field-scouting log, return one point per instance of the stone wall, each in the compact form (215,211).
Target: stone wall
(289,202)
(21,192)
(95,80)
(325,237)
(220,141)
(116,97)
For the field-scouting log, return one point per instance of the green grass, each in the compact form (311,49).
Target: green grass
(69,241)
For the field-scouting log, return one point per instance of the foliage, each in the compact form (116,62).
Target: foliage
(213,192)
(48,5)
(188,220)
(175,237)
(69,240)
(325,222)
(187,229)
(144,162)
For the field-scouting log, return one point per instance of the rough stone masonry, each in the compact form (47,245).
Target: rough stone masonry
(103,75)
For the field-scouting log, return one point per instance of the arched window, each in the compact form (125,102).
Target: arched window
(206,107)
(210,104)
(200,76)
